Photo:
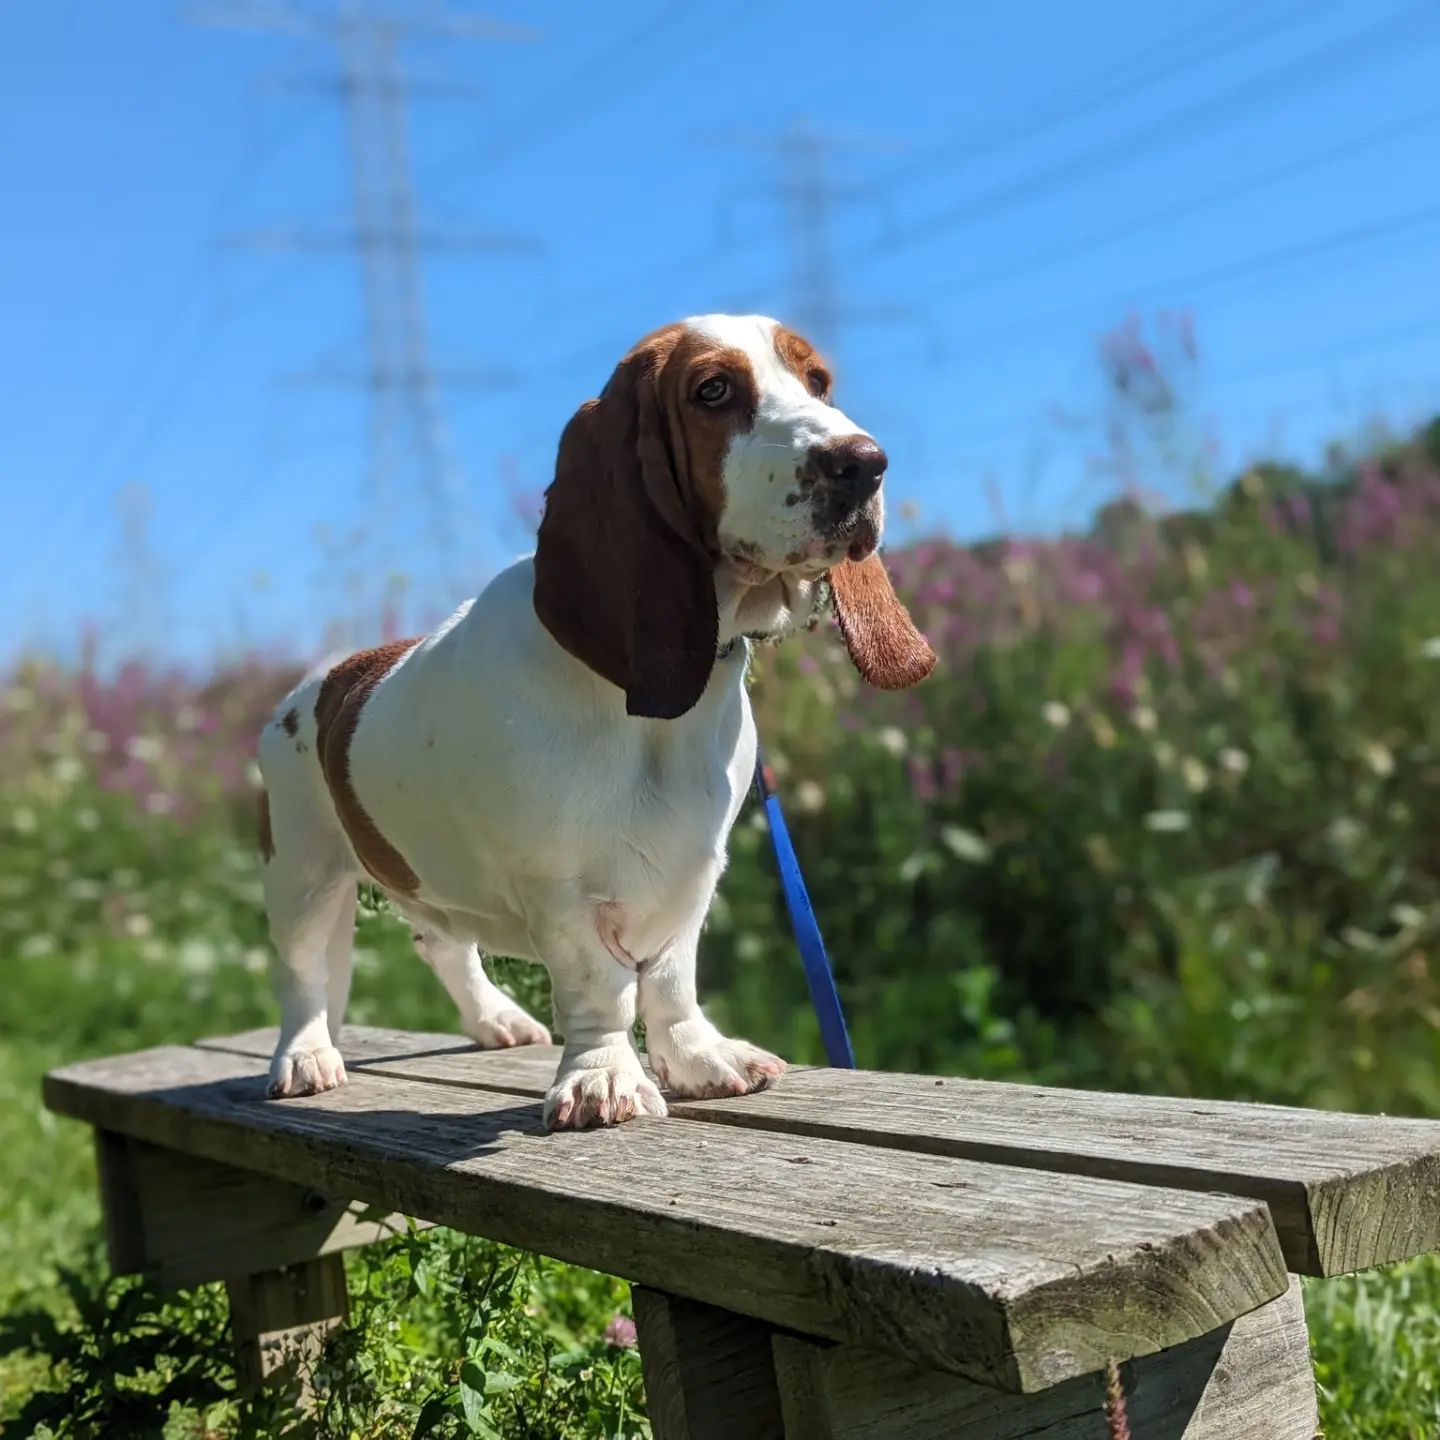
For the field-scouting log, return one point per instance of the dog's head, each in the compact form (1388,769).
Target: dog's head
(709,489)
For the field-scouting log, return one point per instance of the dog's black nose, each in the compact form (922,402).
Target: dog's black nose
(854,465)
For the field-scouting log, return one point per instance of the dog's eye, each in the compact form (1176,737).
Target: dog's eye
(714,391)
(819,383)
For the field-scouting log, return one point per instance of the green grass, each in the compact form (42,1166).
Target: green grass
(451,1335)
(1375,1339)
(449,1332)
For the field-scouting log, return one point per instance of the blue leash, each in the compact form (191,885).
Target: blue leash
(818,974)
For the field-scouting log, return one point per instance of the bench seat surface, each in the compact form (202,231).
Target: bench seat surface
(1014,1235)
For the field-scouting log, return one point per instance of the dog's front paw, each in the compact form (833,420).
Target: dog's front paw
(715,1068)
(506,1028)
(306,1072)
(600,1095)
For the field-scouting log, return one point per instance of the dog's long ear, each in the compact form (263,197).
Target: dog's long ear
(879,634)
(624,570)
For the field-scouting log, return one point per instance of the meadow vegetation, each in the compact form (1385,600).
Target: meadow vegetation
(1167,819)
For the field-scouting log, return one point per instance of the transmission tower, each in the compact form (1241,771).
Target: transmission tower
(408,435)
(808,198)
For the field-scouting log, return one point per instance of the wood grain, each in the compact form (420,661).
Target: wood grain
(709,1374)
(280,1319)
(181,1220)
(1250,1380)
(1007,1276)
(1346,1191)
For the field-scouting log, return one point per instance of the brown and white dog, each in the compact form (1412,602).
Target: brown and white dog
(553,774)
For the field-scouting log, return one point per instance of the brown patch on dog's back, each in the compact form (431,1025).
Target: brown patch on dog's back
(342,696)
(267,835)
(291,722)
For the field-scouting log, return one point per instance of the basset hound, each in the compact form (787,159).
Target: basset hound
(553,773)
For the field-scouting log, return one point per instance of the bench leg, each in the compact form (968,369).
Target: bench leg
(709,1373)
(280,1319)
(184,1221)
(1250,1380)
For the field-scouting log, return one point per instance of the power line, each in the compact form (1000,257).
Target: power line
(1120,81)
(1282,82)
(1047,322)
(116,436)
(1072,245)
(402,380)
(1284,363)
(807,198)
(1178,51)
(556,112)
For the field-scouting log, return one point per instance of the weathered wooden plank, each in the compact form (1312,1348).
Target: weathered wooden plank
(1346,1191)
(182,1220)
(120,1209)
(1000,1274)
(280,1318)
(709,1373)
(1250,1380)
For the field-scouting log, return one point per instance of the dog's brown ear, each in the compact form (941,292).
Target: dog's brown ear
(879,634)
(624,573)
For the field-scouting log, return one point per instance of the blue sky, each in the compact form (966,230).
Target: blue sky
(1017,179)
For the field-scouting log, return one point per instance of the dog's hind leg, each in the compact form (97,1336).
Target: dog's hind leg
(311,910)
(487,1014)
(310,879)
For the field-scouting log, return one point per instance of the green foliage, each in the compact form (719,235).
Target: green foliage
(1375,1339)
(1167,819)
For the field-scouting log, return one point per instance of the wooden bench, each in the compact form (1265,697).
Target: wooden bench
(848,1257)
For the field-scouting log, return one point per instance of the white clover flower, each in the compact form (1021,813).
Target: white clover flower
(1056,713)
(749,946)
(67,770)
(809,797)
(1165,754)
(1142,717)
(1378,758)
(892,739)
(1409,917)
(965,844)
(1167,822)
(198,957)
(138,926)
(1237,762)
(1195,775)
(145,748)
